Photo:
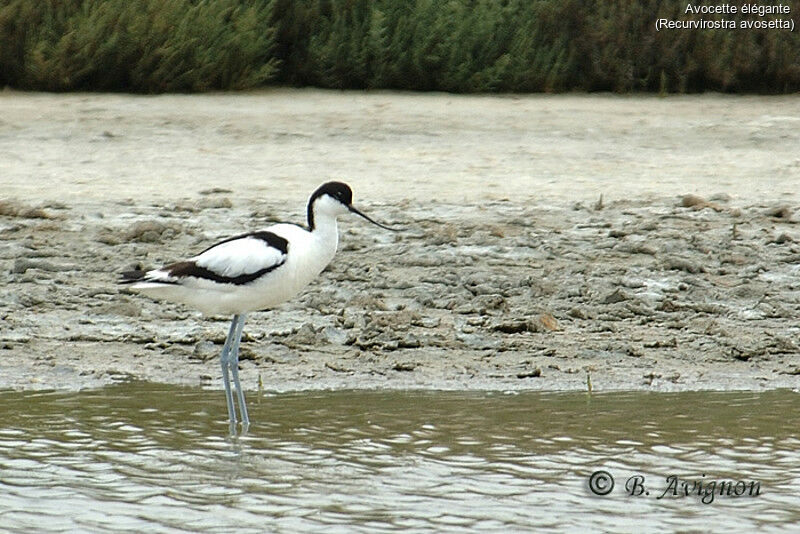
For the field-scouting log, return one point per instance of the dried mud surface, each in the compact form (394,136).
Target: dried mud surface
(522,285)
(631,294)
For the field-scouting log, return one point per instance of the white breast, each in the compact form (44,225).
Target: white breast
(308,255)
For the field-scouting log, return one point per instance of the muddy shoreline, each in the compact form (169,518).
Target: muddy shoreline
(632,294)
(498,282)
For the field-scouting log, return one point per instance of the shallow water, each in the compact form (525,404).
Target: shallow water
(143,457)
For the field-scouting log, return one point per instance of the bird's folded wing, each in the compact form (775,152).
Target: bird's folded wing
(238,260)
(244,255)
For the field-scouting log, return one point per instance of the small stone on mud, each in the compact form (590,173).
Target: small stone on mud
(545,322)
(512,327)
(541,323)
(335,336)
(497,231)
(428,322)
(578,313)
(697,203)
(404,366)
(660,343)
(23,264)
(618,295)
(409,341)
(305,335)
(214,203)
(204,350)
(533,373)
(781,239)
(682,264)
(650,377)
(15,209)
(150,231)
(636,352)
(246,353)
(781,211)
(688,201)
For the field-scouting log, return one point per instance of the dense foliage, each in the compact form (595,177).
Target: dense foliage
(447,45)
(136,45)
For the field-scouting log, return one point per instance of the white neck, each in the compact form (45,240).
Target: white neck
(324,223)
(326,233)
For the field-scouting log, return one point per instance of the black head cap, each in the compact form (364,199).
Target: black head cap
(336,190)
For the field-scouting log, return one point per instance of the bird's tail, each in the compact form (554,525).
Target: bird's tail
(131,277)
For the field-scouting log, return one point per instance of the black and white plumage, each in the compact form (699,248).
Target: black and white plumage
(251,272)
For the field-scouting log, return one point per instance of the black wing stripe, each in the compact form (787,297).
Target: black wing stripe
(189,268)
(273,240)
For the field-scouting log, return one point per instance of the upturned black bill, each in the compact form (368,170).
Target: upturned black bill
(357,212)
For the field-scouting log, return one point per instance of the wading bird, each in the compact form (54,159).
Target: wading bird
(252,272)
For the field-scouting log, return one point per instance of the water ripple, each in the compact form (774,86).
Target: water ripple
(142,457)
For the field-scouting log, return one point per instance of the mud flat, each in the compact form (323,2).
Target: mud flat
(513,272)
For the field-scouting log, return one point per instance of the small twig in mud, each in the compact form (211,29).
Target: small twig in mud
(734,232)
(589,383)
(599,204)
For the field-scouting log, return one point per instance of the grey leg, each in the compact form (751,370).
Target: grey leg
(225,363)
(234,363)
